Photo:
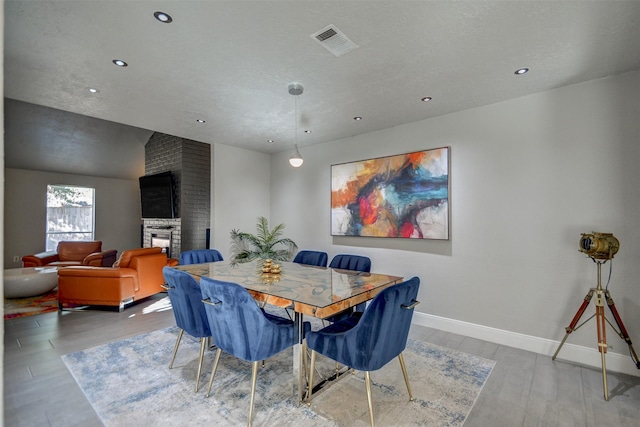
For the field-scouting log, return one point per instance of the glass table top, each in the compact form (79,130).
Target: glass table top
(317,291)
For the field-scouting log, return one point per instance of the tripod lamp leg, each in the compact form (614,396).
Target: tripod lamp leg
(560,346)
(604,377)
(574,322)
(602,341)
(623,331)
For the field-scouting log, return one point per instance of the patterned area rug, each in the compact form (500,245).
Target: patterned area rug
(21,307)
(128,383)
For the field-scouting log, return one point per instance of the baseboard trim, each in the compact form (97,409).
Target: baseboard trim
(570,352)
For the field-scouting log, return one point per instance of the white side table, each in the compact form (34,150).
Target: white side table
(30,281)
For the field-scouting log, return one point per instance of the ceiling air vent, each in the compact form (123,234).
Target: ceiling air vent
(334,40)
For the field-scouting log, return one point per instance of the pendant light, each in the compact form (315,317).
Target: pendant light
(296,159)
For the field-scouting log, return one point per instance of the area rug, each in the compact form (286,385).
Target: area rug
(21,307)
(128,383)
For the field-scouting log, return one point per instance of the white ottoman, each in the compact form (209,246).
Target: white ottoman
(30,281)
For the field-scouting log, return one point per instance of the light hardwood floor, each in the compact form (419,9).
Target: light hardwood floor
(524,389)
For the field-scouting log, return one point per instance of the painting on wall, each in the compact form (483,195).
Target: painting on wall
(402,196)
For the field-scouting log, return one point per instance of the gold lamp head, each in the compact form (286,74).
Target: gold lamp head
(599,245)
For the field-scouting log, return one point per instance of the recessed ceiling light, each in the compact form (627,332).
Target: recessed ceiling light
(426,99)
(93,90)
(163,17)
(357,118)
(307,131)
(200,121)
(521,71)
(270,141)
(120,63)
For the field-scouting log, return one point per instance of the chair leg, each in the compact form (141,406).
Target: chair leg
(406,377)
(303,354)
(213,371)
(310,384)
(254,377)
(203,345)
(175,349)
(367,381)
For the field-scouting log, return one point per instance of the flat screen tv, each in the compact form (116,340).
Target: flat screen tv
(156,195)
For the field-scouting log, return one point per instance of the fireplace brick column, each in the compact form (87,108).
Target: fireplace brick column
(190,163)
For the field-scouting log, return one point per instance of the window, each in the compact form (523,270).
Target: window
(70,214)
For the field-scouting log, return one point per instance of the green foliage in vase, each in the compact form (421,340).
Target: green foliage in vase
(265,244)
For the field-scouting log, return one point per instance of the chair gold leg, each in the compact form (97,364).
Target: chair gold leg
(367,381)
(175,349)
(305,366)
(203,345)
(310,385)
(406,377)
(213,371)
(254,377)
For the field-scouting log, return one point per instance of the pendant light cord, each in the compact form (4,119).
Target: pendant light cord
(296,121)
(296,160)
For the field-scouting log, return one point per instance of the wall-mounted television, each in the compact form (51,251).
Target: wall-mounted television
(156,195)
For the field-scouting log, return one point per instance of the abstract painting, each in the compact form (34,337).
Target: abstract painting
(402,196)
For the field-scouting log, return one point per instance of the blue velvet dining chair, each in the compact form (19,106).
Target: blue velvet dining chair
(188,309)
(353,263)
(242,329)
(200,256)
(316,258)
(369,342)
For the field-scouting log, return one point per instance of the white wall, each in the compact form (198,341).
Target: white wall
(528,176)
(25,211)
(240,192)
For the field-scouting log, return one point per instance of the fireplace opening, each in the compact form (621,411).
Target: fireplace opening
(162,240)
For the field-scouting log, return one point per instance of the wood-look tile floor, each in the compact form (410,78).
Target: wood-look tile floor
(524,389)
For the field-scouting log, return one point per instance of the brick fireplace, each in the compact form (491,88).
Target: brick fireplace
(190,164)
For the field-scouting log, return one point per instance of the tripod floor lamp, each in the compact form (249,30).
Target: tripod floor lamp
(600,247)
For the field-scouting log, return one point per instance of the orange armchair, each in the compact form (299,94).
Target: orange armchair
(136,275)
(73,253)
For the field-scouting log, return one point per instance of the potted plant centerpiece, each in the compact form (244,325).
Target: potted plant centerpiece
(265,244)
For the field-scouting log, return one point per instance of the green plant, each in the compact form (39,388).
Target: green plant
(265,244)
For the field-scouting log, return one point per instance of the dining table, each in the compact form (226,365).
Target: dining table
(299,288)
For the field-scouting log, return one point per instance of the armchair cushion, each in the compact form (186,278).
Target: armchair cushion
(73,253)
(77,251)
(101,259)
(128,255)
(42,258)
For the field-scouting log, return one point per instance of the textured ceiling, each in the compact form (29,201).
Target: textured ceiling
(230,62)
